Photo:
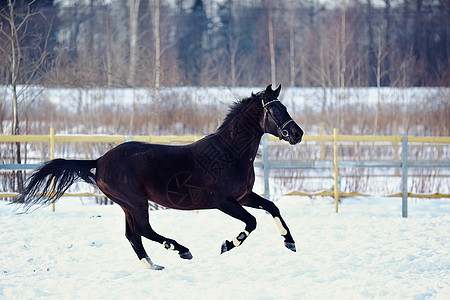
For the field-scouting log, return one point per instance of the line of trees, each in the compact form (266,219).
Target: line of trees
(153,43)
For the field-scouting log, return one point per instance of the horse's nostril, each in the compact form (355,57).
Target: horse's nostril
(298,135)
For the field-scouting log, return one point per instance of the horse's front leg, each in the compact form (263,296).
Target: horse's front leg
(256,201)
(232,208)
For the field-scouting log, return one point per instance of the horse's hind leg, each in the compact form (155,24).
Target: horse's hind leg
(143,228)
(133,236)
(256,201)
(137,226)
(136,242)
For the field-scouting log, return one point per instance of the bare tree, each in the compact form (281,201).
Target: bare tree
(303,42)
(271,45)
(157,47)
(108,48)
(134,13)
(381,55)
(232,54)
(371,52)
(17,31)
(387,40)
(292,48)
(341,66)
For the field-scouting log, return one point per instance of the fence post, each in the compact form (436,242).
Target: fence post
(322,153)
(336,171)
(265,145)
(395,144)
(52,157)
(405,177)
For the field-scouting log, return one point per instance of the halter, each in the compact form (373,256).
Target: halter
(283,133)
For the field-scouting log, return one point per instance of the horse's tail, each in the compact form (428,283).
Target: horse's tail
(49,182)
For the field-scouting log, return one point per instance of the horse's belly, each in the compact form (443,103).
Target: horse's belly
(180,191)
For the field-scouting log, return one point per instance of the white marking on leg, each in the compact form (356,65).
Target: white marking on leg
(283,231)
(237,241)
(169,245)
(148,264)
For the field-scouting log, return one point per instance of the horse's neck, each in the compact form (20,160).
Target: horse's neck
(244,133)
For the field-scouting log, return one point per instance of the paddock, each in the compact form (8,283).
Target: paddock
(366,251)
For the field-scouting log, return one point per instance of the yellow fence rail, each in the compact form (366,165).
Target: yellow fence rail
(335,138)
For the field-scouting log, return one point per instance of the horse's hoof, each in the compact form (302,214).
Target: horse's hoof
(223,249)
(290,246)
(226,246)
(156,267)
(186,255)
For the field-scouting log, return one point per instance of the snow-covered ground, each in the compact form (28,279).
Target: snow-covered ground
(74,98)
(367,251)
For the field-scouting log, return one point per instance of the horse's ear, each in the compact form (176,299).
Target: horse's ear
(277,91)
(268,88)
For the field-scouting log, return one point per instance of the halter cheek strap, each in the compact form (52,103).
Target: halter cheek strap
(283,133)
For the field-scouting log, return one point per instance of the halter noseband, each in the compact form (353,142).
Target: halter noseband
(283,133)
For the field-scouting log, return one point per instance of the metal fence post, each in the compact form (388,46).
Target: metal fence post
(265,145)
(405,177)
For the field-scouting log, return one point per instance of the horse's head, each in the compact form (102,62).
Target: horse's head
(276,119)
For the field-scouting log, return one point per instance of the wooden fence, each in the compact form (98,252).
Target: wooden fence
(265,164)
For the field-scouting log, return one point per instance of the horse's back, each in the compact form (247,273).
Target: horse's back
(143,168)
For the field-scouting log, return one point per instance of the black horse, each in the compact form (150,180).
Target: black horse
(214,172)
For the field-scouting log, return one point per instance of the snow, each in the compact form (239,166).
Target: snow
(74,98)
(366,251)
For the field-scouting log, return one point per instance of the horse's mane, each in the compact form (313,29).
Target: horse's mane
(237,107)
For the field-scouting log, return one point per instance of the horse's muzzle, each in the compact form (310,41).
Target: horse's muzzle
(295,134)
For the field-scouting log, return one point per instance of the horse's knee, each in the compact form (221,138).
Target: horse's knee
(272,209)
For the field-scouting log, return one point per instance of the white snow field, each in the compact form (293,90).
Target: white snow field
(366,251)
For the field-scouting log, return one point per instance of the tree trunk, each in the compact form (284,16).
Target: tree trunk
(14,68)
(371,54)
(109,55)
(134,13)
(157,48)
(387,41)
(15,61)
(342,69)
(234,46)
(90,42)
(292,49)
(271,48)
